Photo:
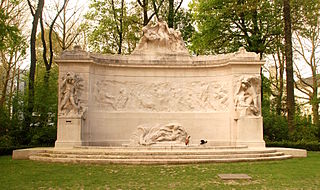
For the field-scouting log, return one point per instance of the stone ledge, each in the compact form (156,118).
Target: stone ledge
(234,176)
(24,154)
(295,153)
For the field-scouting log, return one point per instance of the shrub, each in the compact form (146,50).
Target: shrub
(310,146)
(8,150)
(275,127)
(44,136)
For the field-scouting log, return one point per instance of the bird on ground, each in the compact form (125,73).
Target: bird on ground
(203,142)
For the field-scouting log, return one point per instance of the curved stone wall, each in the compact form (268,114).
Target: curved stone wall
(216,98)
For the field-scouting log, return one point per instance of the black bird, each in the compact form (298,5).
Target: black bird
(203,142)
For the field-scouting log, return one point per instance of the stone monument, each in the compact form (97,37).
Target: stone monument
(159,96)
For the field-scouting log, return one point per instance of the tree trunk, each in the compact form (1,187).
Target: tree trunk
(5,86)
(315,110)
(145,13)
(289,65)
(33,62)
(280,95)
(171,14)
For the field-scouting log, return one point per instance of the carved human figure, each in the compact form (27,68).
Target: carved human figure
(161,96)
(160,37)
(122,99)
(171,132)
(149,36)
(246,99)
(69,100)
(163,32)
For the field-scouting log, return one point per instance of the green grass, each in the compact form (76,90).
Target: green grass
(298,173)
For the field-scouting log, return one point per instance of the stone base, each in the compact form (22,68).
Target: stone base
(24,154)
(295,153)
(250,132)
(67,144)
(69,132)
(157,155)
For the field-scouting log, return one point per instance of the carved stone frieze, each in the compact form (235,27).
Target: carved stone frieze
(162,96)
(149,134)
(247,96)
(70,91)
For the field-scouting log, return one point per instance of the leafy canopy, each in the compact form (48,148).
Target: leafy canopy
(226,25)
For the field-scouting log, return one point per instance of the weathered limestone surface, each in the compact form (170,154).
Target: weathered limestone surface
(104,99)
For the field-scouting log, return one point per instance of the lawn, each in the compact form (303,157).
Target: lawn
(298,173)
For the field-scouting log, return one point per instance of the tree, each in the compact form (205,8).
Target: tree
(172,11)
(113,27)
(144,4)
(12,52)
(289,65)
(276,77)
(36,14)
(12,46)
(184,23)
(67,27)
(306,45)
(48,61)
(224,26)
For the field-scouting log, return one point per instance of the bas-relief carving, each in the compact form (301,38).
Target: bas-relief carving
(161,39)
(247,98)
(71,87)
(149,134)
(162,96)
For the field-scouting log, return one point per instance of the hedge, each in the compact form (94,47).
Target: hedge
(8,150)
(310,146)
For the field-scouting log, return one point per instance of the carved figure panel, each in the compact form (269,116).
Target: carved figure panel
(247,97)
(149,134)
(161,39)
(162,96)
(70,89)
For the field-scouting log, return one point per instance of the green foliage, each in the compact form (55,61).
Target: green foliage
(305,16)
(7,150)
(224,26)
(10,35)
(310,145)
(107,34)
(275,127)
(304,131)
(11,124)
(43,136)
(184,23)
(42,131)
(44,120)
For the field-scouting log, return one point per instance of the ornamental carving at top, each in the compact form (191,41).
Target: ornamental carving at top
(160,39)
